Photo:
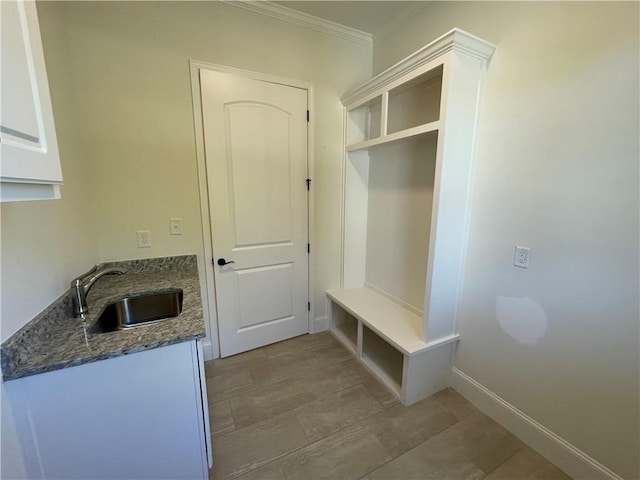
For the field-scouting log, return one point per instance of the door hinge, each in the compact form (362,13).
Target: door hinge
(308,183)
(308,115)
(308,248)
(308,306)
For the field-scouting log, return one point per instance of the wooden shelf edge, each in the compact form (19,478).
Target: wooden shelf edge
(395,137)
(334,295)
(432,345)
(417,344)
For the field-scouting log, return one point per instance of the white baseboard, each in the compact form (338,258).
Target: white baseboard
(566,456)
(319,324)
(207,349)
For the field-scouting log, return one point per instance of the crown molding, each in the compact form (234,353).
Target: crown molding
(455,39)
(304,20)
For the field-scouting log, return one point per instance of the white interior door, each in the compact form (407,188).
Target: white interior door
(255,136)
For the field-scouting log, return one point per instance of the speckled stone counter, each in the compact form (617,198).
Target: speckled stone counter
(55,340)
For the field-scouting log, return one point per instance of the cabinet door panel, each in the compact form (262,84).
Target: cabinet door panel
(134,416)
(29,147)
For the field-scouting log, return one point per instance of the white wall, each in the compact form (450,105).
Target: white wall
(119,80)
(557,171)
(401,179)
(129,62)
(46,243)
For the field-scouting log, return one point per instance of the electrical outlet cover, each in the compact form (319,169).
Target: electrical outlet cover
(521,257)
(144,238)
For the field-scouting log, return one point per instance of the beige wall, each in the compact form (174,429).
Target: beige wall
(47,243)
(119,79)
(129,62)
(557,170)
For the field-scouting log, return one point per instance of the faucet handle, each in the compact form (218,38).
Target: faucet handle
(101,273)
(84,275)
(81,286)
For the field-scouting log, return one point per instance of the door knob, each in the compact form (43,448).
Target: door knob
(222,262)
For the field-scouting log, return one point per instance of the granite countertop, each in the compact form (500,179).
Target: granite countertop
(55,340)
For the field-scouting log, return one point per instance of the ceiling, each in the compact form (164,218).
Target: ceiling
(374,17)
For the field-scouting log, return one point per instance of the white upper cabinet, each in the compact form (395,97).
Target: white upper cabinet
(30,163)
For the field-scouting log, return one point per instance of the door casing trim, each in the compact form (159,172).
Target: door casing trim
(207,282)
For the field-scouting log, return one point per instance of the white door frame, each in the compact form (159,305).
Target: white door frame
(207,282)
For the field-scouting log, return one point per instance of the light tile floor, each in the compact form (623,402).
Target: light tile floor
(305,409)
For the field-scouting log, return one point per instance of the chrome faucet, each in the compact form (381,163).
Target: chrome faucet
(80,287)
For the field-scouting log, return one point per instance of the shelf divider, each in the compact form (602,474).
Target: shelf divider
(394,137)
(384,114)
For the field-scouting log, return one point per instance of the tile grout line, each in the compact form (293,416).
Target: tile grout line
(351,362)
(413,448)
(505,460)
(416,446)
(267,386)
(294,411)
(447,404)
(441,403)
(291,452)
(316,399)
(348,426)
(278,458)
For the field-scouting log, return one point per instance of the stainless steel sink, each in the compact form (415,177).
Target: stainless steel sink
(138,310)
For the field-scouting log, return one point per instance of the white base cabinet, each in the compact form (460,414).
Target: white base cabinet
(143,415)
(384,337)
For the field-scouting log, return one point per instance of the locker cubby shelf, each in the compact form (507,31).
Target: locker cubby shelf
(383,359)
(409,147)
(364,121)
(395,324)
(345,328)
(415,102)
(395,137)
(385,337)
